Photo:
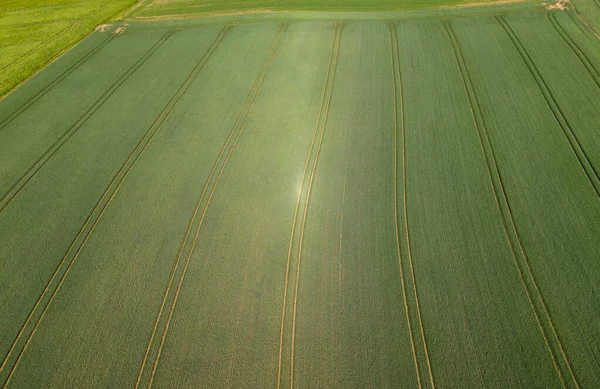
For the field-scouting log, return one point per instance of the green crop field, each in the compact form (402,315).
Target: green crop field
(279,194)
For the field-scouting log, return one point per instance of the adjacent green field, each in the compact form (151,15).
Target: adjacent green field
(34,32)
(307,200)
(186,8)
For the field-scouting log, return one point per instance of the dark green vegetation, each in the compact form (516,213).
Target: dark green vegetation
(34,32)
(308,200)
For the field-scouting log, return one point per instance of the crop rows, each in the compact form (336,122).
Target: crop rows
(306,203)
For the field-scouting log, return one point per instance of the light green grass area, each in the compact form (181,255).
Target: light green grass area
(35,32)
(307,199)
(183,8)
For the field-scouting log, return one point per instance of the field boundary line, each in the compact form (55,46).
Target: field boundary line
(408,248)
(139,5)
(557,112)
(35,168)
(301,190)
(395,58)
(117,181)
(325,117)
(505,211)
(242,123)
(56,81)
(551,16)
(476,9)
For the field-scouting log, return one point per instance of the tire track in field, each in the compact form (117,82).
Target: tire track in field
(559,116)
(551,16)
(236,131)
(405,216)
(398,98)
(54,82)
(322,118)
(532,291)
(300,192)
(33,170)
(584,20)
(571,11)
(198,206)
(93,219)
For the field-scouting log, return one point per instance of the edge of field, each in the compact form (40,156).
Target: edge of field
(148,9)
(68,47)
(134,12)
(140,13)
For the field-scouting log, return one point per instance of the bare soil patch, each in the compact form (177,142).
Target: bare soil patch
(560,4)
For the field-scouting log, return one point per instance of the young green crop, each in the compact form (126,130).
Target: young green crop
(306,199)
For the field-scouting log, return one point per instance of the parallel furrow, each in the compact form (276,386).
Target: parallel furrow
(55,82)
(398,97)
(323,118)
(52,288)
(574,15)
(560,117)
(298,201)
(526,276)
(142,376)
(551,16)
(33,170)
(584,21)
(153,350)
(406,222)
